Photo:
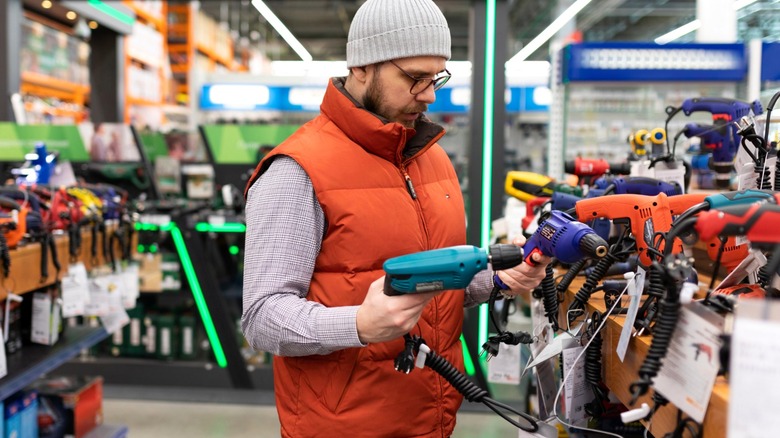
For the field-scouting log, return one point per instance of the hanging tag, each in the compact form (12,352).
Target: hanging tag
(673,172)
(542,329)
(692,361)
(545,431)
(3,363)
(117,317)
(642,168)
(746,177)
(98,297)
(560,343)
(546,387)
(41,329)
(635,295)
(505,367)
(750,265)
(754,379)
(130,286)
(576,390)
(75,291)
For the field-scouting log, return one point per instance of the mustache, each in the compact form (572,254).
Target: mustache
(417,109)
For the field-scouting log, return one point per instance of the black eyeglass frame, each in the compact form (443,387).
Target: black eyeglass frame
(437,82)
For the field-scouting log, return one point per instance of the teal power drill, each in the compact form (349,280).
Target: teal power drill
(559,236)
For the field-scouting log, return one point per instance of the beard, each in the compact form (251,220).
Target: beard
(372,101)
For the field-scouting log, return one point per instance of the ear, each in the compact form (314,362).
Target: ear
(360,74)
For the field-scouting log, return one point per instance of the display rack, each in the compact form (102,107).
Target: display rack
(618,375)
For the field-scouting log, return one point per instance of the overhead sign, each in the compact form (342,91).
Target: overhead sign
(616,62)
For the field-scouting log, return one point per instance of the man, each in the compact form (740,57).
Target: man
(363,182)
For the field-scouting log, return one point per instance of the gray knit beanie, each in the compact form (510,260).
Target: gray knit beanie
(390,29)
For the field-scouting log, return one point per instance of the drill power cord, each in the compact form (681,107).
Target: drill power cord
(406,361)
(563,384)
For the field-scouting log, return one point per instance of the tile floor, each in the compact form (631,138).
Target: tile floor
(156,418)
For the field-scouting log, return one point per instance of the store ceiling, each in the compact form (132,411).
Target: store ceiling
(322,25)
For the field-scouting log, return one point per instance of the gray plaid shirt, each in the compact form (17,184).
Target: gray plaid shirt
(284,230)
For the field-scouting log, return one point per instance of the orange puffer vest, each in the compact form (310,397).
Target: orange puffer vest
(355,163)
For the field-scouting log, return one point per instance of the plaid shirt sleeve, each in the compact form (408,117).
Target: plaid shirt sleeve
(284,229)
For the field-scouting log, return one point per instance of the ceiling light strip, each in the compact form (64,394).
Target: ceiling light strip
(687,28)
(280,28)
(549,31)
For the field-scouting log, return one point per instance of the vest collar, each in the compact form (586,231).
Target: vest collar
(377,135)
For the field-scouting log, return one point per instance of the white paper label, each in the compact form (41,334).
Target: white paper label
(671,173)
(98,297)
(546,388)
(505,367)
(75,291)
(151,339)
(130,286)
(749,265)
(165,341)
(40,331)
(117,316)
(692,361)
(754,381)
(135,332)
(187,341)
(3,363)
(576,388)
(635,287)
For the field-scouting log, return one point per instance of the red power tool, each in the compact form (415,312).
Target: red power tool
(645,215)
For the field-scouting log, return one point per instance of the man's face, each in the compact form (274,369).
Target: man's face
(388,92)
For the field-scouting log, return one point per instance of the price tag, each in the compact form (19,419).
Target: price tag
(116,317)
(635,294)
(3,363)
(546,387)
(505,367)
(750,265)
(576,389)
(673,172)
(692,361)
(75,291)
(754,380)
(98,296)
(130,286)
(746,178)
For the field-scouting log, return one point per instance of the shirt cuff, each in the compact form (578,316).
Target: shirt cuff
(340,326)
(479,289)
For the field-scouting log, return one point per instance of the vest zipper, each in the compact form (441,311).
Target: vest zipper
(409,185)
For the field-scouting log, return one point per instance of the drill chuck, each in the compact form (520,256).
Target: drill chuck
(505,256)
(593,245)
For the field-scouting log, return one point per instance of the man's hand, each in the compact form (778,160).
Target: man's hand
(383,318)
(523,278)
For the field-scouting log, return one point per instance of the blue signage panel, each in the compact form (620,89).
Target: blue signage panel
(629,61)
(770,62)
(258,97)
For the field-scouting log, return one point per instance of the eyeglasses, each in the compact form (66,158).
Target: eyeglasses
(422,84)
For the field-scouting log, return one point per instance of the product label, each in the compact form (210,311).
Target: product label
(187,338)
(505,367)
(165,341)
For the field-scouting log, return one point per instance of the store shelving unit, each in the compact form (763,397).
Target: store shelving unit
(145,70)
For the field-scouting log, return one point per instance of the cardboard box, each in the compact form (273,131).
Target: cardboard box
(81,398)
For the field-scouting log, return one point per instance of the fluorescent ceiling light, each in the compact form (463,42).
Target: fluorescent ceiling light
(551,30)
(681,31)
(282,30)
(687,28)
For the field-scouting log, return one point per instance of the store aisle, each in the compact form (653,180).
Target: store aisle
(153,419)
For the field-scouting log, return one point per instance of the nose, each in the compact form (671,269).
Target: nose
(428,95)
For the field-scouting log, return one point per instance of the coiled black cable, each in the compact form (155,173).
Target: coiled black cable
(55,258)
(569,276)
(669,311)
(583,295)
(474,393)
(550,297)
(5,255)
(594,408)
(764,273)
(655,292)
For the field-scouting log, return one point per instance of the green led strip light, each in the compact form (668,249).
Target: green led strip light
(228,227)
(111,12)
(192,278)
(487,146)
(469,364)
